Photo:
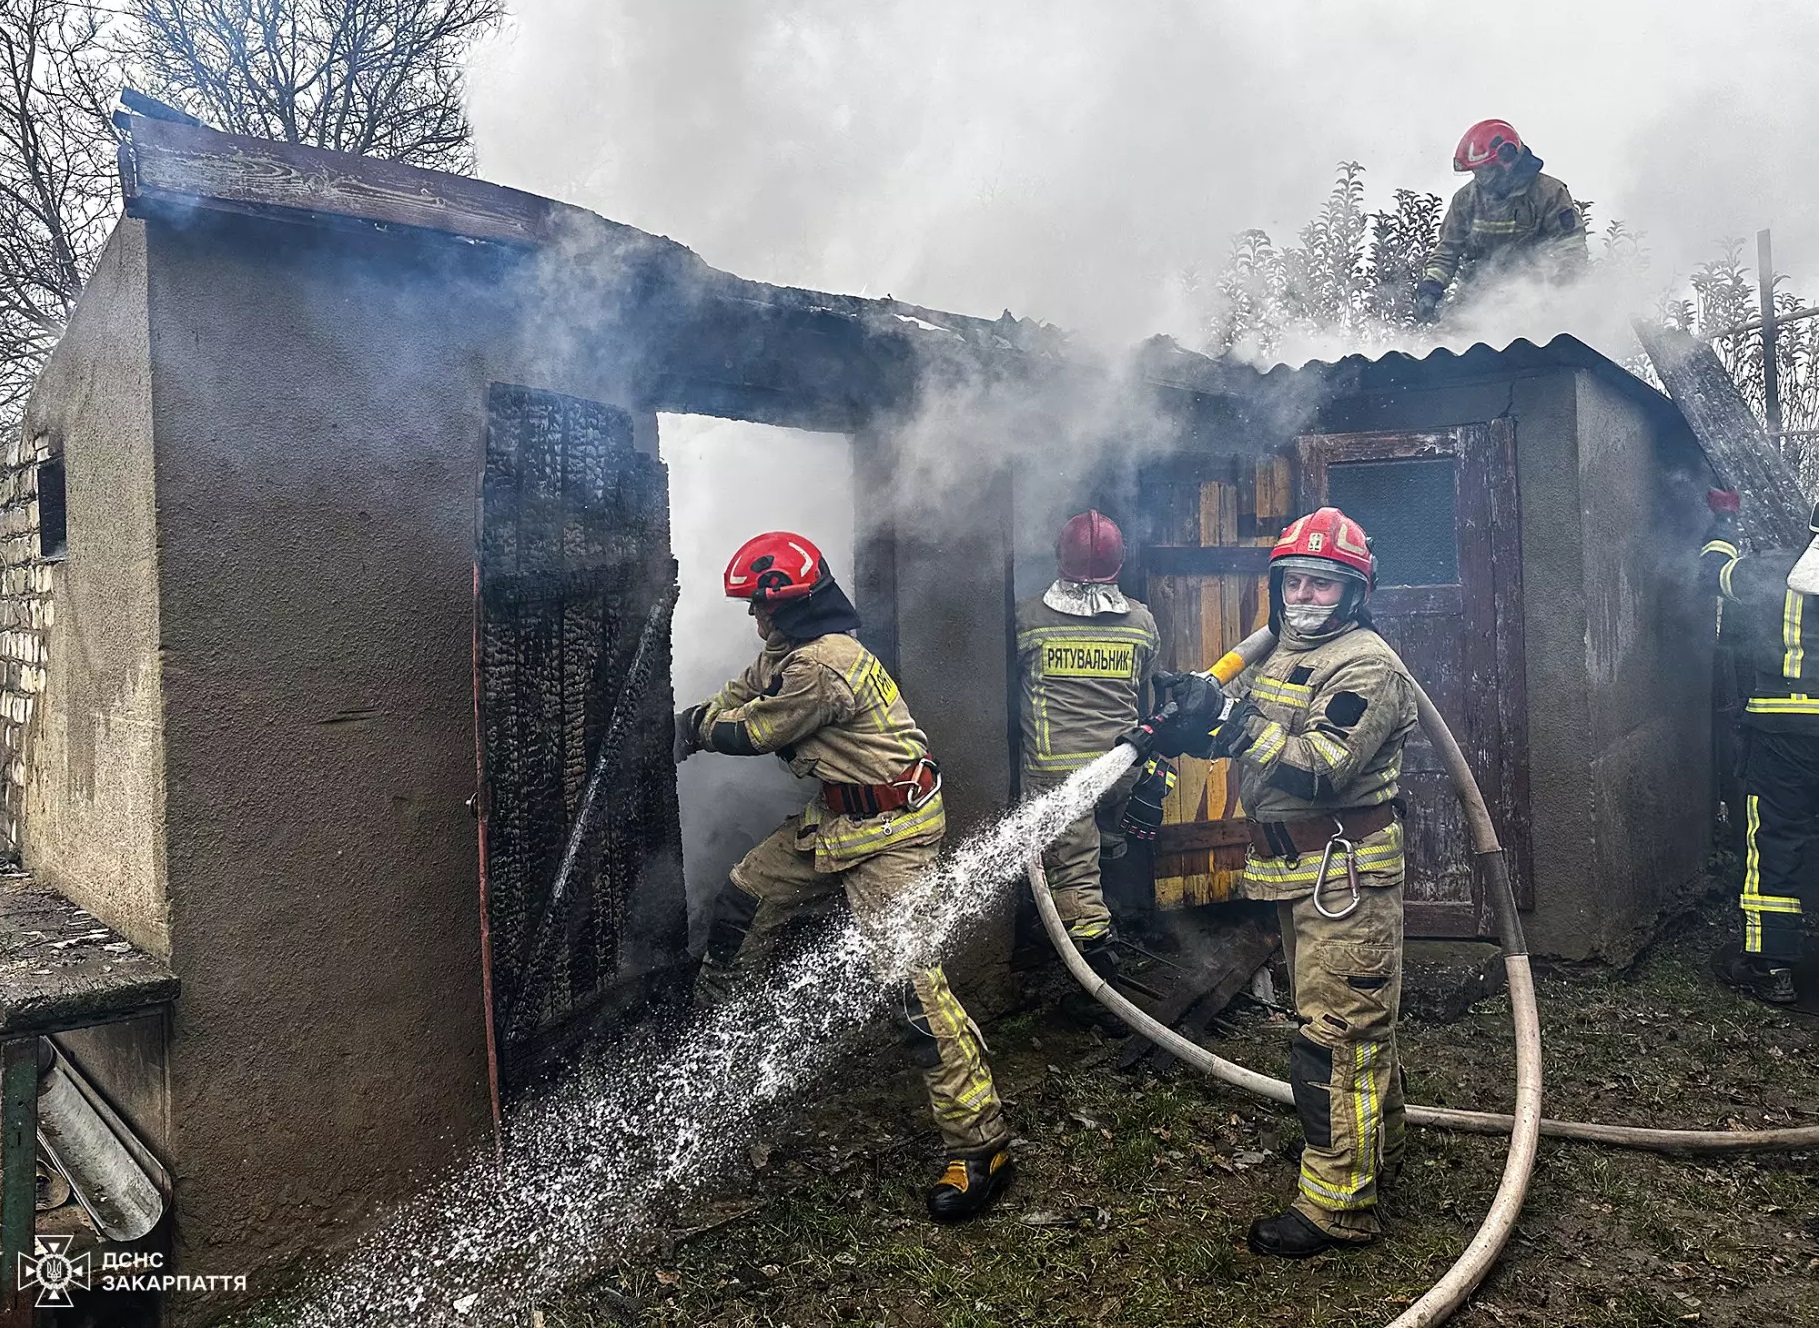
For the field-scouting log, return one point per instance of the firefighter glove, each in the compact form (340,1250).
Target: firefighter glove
(1723,502)
(1143,812)
(1161,732)
(1198,697)
(687,737)
(1428,295)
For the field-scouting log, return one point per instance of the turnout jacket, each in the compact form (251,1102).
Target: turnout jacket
(1081,681)
(1775,630)
(1540,220)
(831,712)
(1319,727)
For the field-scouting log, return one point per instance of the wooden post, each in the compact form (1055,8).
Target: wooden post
(1771,385)
(18,1173)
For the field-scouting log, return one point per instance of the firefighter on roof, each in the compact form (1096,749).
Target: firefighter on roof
(1771,612)
(1316,731)
(1508,214)
(1084,654)
(827,707)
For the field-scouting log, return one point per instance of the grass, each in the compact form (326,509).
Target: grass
(1608,1239)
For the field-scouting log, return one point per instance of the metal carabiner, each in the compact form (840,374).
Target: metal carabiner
(1351,873)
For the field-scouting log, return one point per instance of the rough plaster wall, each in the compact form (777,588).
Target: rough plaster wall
(1567,910)
(93,814)
(1648,656)
(320,406)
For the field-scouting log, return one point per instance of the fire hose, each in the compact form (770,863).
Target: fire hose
(1524,1127)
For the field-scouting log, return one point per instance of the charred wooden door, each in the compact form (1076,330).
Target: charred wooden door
(1206,564)
(580,844)
(1440,509)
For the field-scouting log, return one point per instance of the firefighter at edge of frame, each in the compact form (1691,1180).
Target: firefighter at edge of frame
(1507,215)
(827,707)
(1316,731)
(1770,606)
(1085,652)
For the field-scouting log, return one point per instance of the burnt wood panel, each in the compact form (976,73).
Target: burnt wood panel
(1206,560)
(574,586)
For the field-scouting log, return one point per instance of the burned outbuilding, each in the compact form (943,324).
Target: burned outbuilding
(337,580)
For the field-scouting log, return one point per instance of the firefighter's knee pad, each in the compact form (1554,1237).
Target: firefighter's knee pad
(734,910)
(919,1041)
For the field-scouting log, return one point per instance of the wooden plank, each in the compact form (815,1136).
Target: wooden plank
(18,1173)
(1774,513)
(1196,560)
(1197,836)
(1511,651)
(161,160)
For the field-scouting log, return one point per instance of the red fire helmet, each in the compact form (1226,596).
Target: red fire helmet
(1090,549)
(1325,543)
(777,565)
(1486,142)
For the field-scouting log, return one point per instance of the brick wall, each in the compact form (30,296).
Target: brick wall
(25,621)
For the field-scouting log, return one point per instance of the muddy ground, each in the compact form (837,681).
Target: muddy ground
(1134,1193)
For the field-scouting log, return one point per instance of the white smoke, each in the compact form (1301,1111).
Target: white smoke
(729,480)
(1068,159)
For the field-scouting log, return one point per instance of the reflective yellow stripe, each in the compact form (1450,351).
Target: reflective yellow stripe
(1288,693)
(1754,903)
(875,833)
(1276,871)
(1330,752)
(1034,636)
(1797,704)
(1357,1192)
(1792,610)
(1720,546)
(1484,227)
(1724,580)
(1269,743)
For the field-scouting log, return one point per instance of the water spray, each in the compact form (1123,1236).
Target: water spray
(1525,1126)
(608,1153)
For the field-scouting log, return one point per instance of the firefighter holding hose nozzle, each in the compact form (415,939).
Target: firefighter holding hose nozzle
(1316,731)
(1771,610)
(825,705)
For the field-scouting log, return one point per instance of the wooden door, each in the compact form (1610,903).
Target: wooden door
(580,845)
(1206,562)
(1440,509)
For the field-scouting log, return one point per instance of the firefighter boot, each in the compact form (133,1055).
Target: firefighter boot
(1289,1235)
(1766,980)
(969,1185)
(1102,957)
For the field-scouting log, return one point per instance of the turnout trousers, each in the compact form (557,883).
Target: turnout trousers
(1071,863)
(778,880)
(1347,978)
(1781,826)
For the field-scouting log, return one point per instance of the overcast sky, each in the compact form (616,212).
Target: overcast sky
(1068,159)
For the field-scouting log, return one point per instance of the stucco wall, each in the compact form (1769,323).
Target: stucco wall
(94,805)
(319,399)
(1648,656)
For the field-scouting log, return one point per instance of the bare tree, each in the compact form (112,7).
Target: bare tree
(377,77)
(57,192)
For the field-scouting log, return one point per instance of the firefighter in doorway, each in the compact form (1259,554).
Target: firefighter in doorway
(1316,731)
(1771,612)
(827,707)
(1085,652)
(1508,214)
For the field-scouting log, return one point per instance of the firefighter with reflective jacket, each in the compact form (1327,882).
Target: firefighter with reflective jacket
(1316,731)
(1771,613)
(827,707)
(1084,654)
(1509,213)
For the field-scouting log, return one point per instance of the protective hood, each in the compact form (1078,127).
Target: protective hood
(1085,599)
(823,613)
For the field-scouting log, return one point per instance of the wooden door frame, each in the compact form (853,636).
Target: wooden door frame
(1489,519)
